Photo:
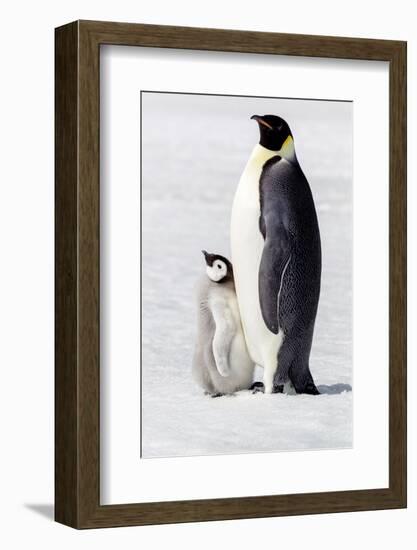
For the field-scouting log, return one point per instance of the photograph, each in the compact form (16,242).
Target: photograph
(246,274)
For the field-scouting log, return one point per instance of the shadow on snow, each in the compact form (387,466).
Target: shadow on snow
(334,388)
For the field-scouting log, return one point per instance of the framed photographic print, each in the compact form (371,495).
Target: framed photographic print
(230,274)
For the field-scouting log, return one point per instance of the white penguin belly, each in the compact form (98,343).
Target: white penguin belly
(247,245)
(241,364)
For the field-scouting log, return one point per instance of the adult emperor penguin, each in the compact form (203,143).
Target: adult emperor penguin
(276,254)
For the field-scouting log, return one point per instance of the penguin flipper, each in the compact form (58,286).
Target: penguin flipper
(276,256)
(223,336)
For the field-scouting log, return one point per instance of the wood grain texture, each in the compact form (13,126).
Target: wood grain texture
(66,237)
(398,274)
(78,286)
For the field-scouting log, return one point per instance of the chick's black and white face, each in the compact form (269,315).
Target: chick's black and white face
(217,271)
(218,268)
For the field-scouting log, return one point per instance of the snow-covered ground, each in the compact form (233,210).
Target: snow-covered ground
(194,149)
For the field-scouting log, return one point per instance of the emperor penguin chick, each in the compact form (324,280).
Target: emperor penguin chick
(221,363)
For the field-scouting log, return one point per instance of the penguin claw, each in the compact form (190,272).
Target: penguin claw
(257,387)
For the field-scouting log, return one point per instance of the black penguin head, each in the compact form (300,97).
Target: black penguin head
(218,268)
(274,132)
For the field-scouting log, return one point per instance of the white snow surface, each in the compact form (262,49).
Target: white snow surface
(194,149)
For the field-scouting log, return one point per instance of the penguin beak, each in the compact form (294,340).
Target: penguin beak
(208,257)
(260,120)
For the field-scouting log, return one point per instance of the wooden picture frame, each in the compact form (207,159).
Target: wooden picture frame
(77,370)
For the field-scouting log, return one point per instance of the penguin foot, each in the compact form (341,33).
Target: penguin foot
(311,389)
(217,394)
(257,387)
(304,383)
(287,388)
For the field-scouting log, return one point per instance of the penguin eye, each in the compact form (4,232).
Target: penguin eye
(219,266)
